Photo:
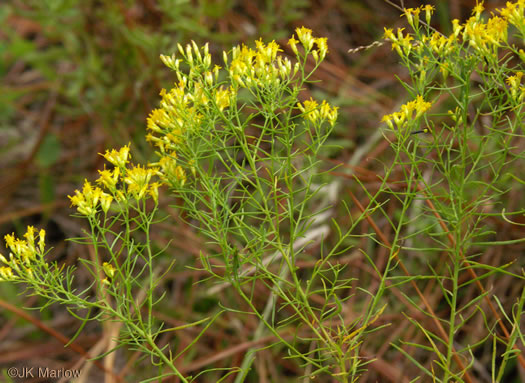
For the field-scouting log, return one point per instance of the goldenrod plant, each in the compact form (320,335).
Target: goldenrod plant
(238,147)
(458,170)
(120,212)
(240,151)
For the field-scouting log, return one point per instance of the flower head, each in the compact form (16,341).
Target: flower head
(429,9)
(88,199)
(315,113)
(410,111)
(6,274)
(514,13)
(109,269)
(292,42)
(322,46)
(305,37)
(412,15)
(118,158)
(138,180)
(23,254)
(109,178)
(169,169)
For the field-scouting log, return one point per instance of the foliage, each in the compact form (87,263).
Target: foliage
(238,148)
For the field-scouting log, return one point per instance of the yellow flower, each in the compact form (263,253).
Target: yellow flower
(412,15)
(429,9)
(105,201)
(328,113)
(216,70)
(496,30)
(514,83)
(322,45)
(388,119)
(87,200)
(293,44)
(389,34)
(42,240)
(22,252)
(138,178)
(268,53)
(478,9)
(262,67)
(118,158)
(485,38)
(309,110)
(402,43)
(30,238)
(154,191)
(222,98)
(170,61)
(109,178)
(421,106)
(401,118)
(6,274)
(456,27)
(514,13)
(109,269)
(10,241)
(158,120)
(305,37)
(169,169)
(315,113)
(20,248)
(285,66)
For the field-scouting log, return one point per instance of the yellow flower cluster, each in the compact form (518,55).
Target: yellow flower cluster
(168,167)
(440,44)
(198,95)
(119,183)
(484,36)
(315,113)
(199,62)
(402,43)
(139,183)
(263,66)
(514,13)
(119,158)
(517,91)
(110,271)
(184,107)
(412,14)
(411,111)
(23,252)
(179,109)
(308,41)
(259,67)
(88,200)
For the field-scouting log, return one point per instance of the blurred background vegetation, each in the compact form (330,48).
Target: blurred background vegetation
(81,76)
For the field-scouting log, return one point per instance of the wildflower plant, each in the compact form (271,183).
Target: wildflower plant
(237,145)
(238,148)
(459,168)
(120,212)
(240,151)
